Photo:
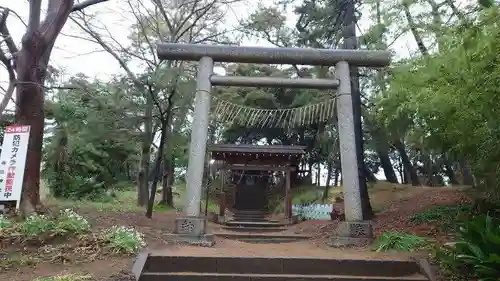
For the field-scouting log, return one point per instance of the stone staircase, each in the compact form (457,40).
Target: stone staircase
(158,267)
(252,221)
(250,215)
(254,226)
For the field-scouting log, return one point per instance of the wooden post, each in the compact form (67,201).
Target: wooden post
(222,196)
(288,195)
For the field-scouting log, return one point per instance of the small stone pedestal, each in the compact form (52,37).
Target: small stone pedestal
(221,219)
(353,233)
(193,231)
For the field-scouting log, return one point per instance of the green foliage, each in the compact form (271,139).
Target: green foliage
(71,222)
(68,222)
(444,216)
(124,239)
(5,222)
(37,225)
(487,206)
(477,249)
(94,139)
(399,241)
(448,102)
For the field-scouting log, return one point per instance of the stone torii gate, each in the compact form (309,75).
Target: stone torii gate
(192,226)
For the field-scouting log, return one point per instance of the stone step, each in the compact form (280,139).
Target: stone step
(270,237)
(253,229)
(250,215)
(160,266)
(251,212)
(191,276)
(246,219)
(254,224)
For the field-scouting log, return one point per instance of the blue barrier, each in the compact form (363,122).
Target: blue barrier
(313,211)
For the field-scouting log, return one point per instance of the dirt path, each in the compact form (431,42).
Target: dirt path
(226,247)
(97,269)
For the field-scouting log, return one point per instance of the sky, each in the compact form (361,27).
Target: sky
(75,55)
(79,56)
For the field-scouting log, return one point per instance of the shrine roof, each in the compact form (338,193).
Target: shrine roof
(258,149)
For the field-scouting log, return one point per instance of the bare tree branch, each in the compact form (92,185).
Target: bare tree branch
(85,4)
(4,31)
(7,62)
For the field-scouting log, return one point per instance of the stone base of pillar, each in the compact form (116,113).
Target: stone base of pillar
(192,231)
(358,233)
(221,219)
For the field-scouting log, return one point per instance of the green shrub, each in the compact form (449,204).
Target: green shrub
(36,225)
(68,222)
(124,239)
(71,222)
(5,222)
(477,249)
(399,241)
(487,206)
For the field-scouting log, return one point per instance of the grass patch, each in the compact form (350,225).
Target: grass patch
(399,241)
(213,206)
(443,216)
(122,201)
(162,208)
(62,238)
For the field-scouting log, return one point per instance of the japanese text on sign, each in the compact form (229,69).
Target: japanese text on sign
(12,162)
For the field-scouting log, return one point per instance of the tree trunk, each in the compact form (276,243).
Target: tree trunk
(379,136)
(386,164)
(171,181)
(143,177)
(157,168)
(167,197)
(413,28)
(30,112)
(370,176)
(328,179)
(400,170)
(31,73)
(350,42)
(318,175)
(430,171)
(31,67)
(467,178)
(448,170)
(336,177)
(408,167)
